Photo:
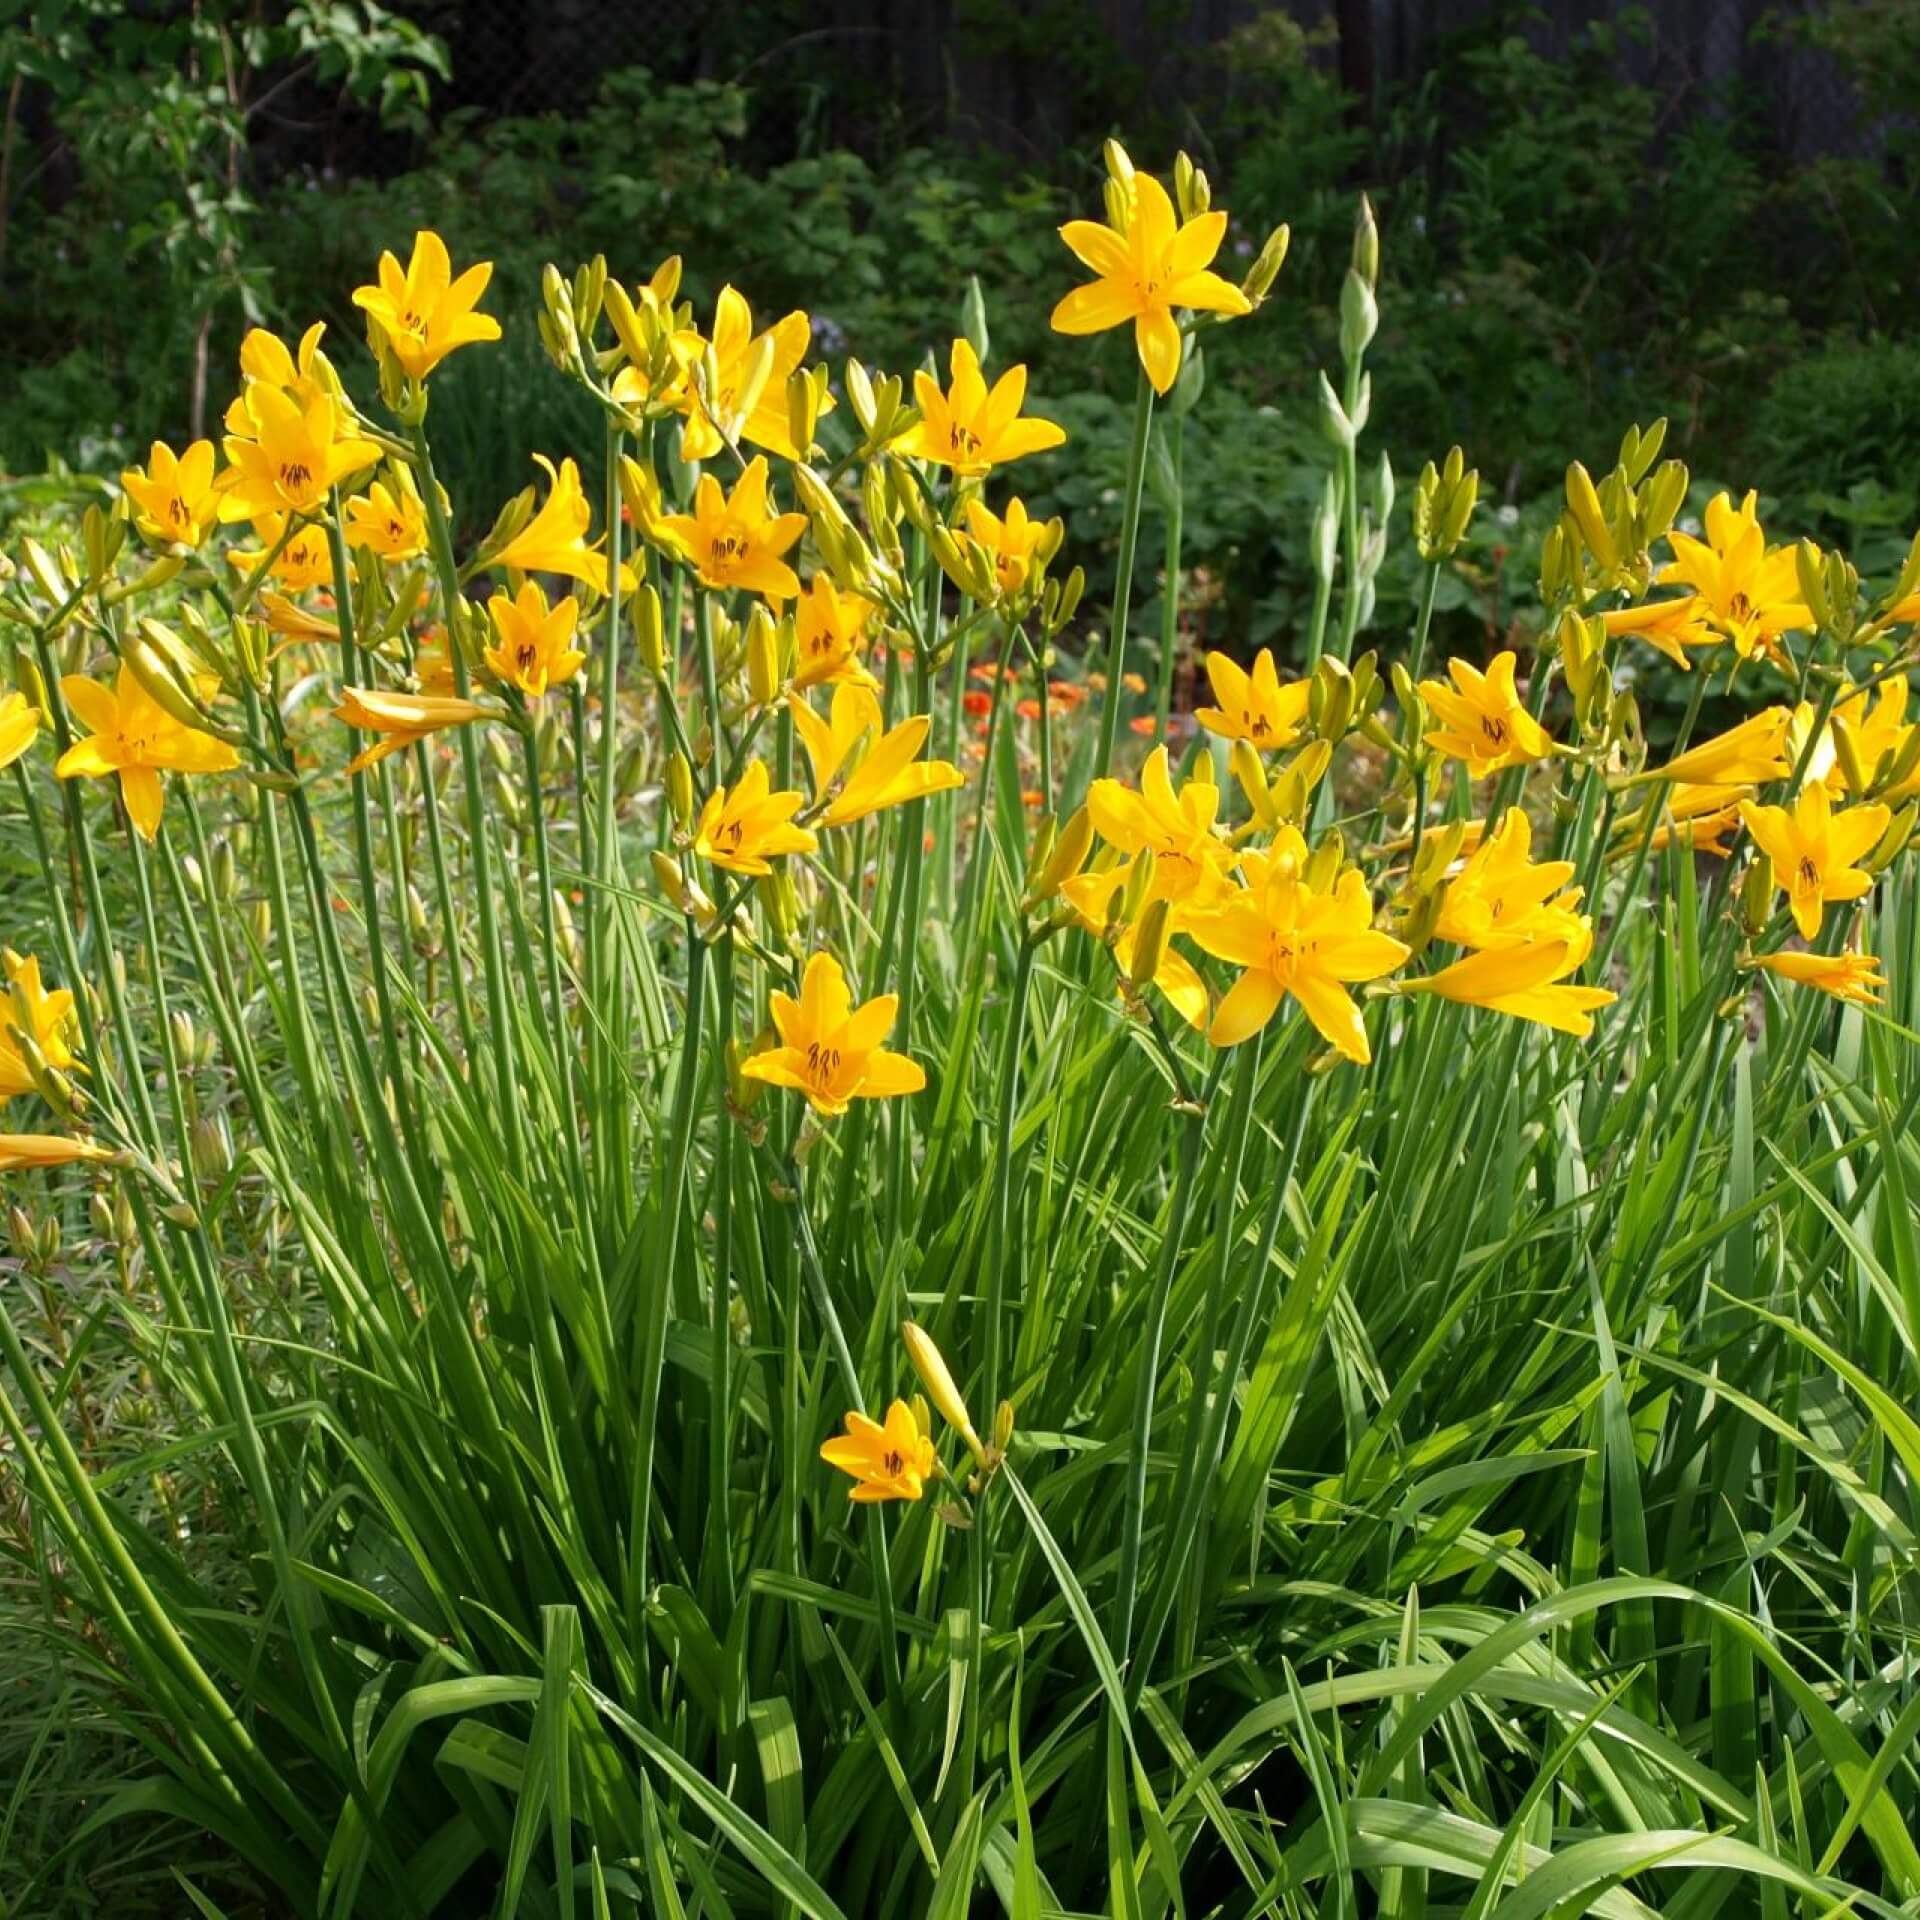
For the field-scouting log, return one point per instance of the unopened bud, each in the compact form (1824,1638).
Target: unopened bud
(1756,896)
(680,789)
(649,630)
(930,1364)
(1149,945)
(1067,856)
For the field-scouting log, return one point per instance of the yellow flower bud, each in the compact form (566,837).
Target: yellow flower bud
(680,789)
(930,1365)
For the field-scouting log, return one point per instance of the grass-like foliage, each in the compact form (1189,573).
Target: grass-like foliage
(1356,1255)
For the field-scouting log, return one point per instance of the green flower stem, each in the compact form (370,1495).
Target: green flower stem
(719,1558)
(1207,1417)
(1429,588)
(1170,593)
(562,1026)
(1350,515)
(1123,584)
(396,1059)
(443,900)
(1000,1250)
(1147,1364)
(977,854)
(478,827)
(656,1291)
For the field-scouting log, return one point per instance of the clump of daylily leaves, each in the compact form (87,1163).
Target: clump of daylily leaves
(778,669)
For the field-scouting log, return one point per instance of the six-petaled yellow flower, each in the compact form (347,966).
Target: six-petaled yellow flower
(1145,269)
(21,1152)
(1255,706)
(1854,977)
(398,720)
(388,521)
(1815,850)
(1502,895)
(175,498)
(1748,590)
(735,540)
(535,650)
(19,726)
(1482,718)
(889,774)
(1668,626)
(555,539)
(831,1050)
(29,1012)
(972,427)
(1191,856)
(422,313)
(303,562)
(748,401)
(1527,981)
(890,1462)
(744,828)
(829,629)
(132,735)
(1009,540)
(1290,938)
(295,455)
(1747,755)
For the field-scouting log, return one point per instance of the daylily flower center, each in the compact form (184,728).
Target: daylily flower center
(823,1068)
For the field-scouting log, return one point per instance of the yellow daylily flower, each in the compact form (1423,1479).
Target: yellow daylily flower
(1814,850)
(734,540)
(132,735)
(21,1151)
(1191,857)
(555,539)
(1699,817)
(389,522)
(265,360)
(829,628)
(830,1049)
(1254,706)
(1290,938)
(891,1462)
(1748,755)
(633,386)
(890,773)
(19,726)
(1880,729)
(423,313)
(1853,977)
(1009,541)
(27,1008)
(1749,591)
(745,827)
(743,410)
(1526,981)
(1090,894)
(398,720)
(175,499)
(1501,895)
(536,651)
(294,456)
(1144,270)
(1668,626)
(970,427)
(305,561)
(1482,718)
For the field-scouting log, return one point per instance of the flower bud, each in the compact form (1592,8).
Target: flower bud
(680,789)
(1583,502)
(1893,843)
(763,657)
(649,630)
(1133,896)
(931,1366)
(1266,267)
(1359,318)
(1756,896)
(1149,945)
(1366,245)
(1066,857)
(1251,775)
